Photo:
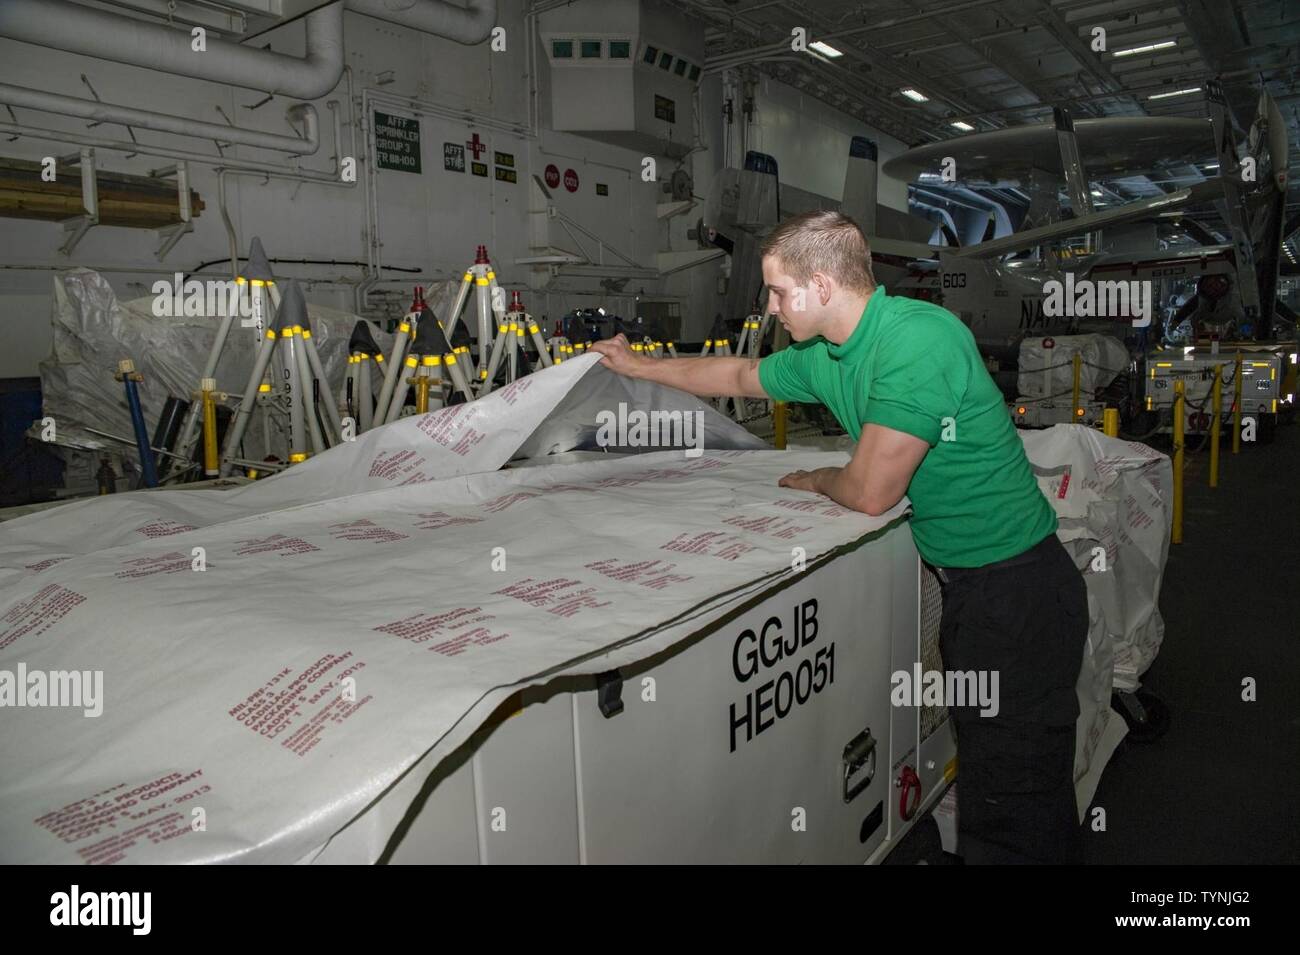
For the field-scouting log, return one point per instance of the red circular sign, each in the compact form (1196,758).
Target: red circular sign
(552,175)
(570,180)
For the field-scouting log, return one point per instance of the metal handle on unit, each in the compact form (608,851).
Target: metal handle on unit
(858,752)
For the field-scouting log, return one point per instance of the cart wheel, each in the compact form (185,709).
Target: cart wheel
(921,846)
(1145,713)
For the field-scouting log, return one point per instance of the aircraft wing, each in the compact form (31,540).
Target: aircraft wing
(904,249)
(1200,192)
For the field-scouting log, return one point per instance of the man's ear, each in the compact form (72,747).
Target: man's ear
(822,283)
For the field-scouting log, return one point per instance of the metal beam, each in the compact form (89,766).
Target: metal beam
(1191,59)
(1005,63)
(876,110)
(874,26)
(871,99)
(880,59)
(925,44)
(1108,12)
(1247,82)
(1066,35)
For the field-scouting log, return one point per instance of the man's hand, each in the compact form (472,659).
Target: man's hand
(617,355)
(877,476)
(806,480)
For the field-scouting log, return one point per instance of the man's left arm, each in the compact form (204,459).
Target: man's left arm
(877,476)
(917,388)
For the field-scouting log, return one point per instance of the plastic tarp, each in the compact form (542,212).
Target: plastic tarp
(92,331)
(1104,358)
(1112,495)
(1112,501)
(360,611)
(365,611)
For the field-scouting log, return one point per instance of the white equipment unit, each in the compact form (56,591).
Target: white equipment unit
(1028,413)
(316,646)
(1046,379)
(767,737)
(1264,385)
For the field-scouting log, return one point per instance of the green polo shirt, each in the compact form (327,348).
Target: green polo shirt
(913,366)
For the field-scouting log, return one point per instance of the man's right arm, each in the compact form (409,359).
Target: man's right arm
(711,376)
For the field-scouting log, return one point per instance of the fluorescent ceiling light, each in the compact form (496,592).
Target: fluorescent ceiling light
(914,96)
(1211,165)
(1096,192)
(964,127)
(1190,89)
(1162,45)
(824,48)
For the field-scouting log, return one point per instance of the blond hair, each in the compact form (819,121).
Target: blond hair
(824,241)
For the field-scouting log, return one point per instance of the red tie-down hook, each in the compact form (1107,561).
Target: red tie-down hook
(909,784)
(417,305)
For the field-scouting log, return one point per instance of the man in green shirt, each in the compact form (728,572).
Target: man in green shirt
(905,377)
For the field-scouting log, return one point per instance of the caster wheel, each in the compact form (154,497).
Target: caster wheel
(1146,715)
(921,846)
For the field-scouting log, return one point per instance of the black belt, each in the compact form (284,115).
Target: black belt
(948,575)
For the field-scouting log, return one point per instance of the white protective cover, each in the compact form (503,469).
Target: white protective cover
(350,620)
(93,331)
(1114,511)
(1114,495)
(1104,357)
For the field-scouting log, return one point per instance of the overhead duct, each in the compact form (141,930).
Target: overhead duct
(62,25)
(72,28)
(109,113)
(469,25)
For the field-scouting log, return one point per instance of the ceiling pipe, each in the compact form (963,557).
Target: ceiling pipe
(62,25)
(166,123)
(72,28)
(126,146)
(468,25)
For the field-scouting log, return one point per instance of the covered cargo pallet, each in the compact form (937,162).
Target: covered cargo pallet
(324,665)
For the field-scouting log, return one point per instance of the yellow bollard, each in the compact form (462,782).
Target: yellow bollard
(778,422)
(1236,407)
(211,459)
(1110,422)
(1180,411)
(1214,425)
(1078,373)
